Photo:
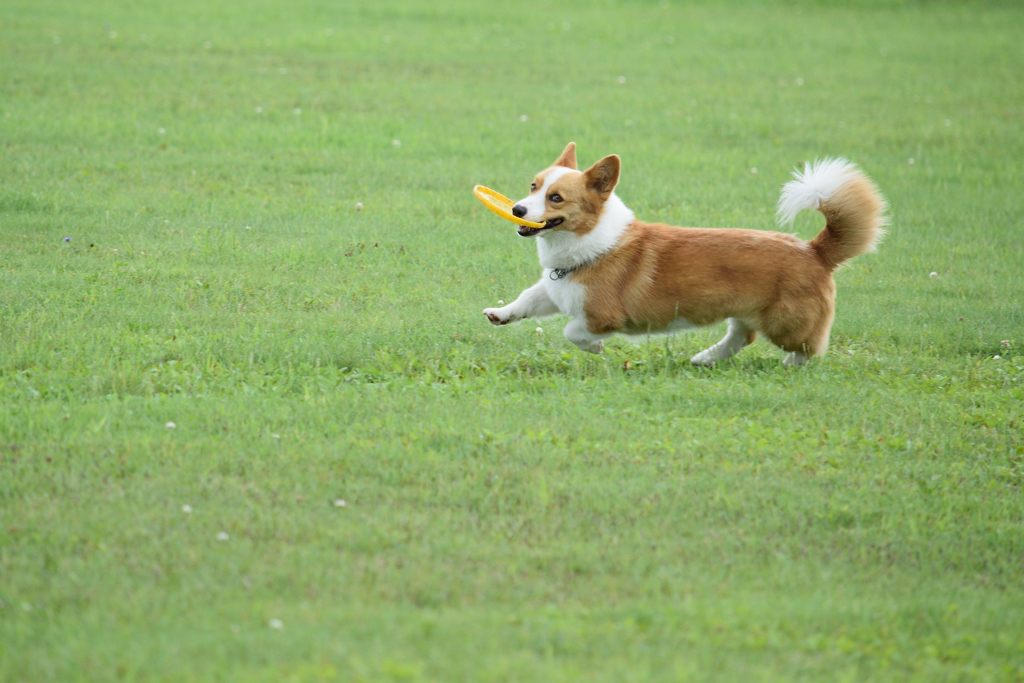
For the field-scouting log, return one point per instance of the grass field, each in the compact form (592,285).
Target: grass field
(205,347)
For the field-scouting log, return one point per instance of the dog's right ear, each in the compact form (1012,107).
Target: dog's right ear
(568,158)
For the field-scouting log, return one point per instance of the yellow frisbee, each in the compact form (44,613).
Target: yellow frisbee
(501,205)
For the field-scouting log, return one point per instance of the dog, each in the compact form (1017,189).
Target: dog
(611,273)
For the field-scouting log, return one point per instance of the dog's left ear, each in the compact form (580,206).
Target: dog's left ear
(568,158)
(603,176)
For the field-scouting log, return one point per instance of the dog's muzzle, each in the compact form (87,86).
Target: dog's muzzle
(530,232)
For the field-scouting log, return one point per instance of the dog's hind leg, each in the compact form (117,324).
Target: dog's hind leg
(534,302)
(802,334)
(738,336)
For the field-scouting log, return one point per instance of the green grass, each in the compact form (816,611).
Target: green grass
(515,509)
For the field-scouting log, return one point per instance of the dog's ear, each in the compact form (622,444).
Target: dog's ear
(568,158)
(603,176)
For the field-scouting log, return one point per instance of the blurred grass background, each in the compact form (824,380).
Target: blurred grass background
(514,509)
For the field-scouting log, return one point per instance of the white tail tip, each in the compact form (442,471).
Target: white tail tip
(816,184)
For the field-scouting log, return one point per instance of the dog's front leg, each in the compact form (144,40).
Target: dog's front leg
(532,303)
(576,332)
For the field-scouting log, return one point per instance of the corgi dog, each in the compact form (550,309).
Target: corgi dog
(611,273)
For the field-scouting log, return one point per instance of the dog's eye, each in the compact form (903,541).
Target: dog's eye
(533,187)
(556,198)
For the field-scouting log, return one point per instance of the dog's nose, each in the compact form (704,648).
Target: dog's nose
(518,210)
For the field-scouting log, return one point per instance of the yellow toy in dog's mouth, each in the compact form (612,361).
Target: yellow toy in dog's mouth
(501,205)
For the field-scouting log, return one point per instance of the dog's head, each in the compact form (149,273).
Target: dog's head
(563,198)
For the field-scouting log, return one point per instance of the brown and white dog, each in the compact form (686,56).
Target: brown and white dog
(611,273)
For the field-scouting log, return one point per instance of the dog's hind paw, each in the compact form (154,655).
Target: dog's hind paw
(705,358)
(794,359)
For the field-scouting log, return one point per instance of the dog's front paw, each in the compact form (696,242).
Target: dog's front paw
(498,316)
(595,346)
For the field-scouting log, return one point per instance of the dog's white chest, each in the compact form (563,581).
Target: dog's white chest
(568,296)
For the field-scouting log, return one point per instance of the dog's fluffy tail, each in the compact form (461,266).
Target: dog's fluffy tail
(852,206)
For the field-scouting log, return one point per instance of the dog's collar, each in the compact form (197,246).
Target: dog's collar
(559,273)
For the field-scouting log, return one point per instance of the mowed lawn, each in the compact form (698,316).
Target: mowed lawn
(254,426)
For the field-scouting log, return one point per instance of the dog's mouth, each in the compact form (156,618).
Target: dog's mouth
(525,231)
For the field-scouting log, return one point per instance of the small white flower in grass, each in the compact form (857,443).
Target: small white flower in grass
(996,357)
(161,131)
(753,169)
(359,206)
(259,110)
(248,227)
(275,436)
(340,503)
(223,536)
(501,302)
(524,118)
(910,161)
(396,143)
(933,274)
(297,112)
(539,330)
(170,425)
(276,624)
(622,80)
(187,509)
